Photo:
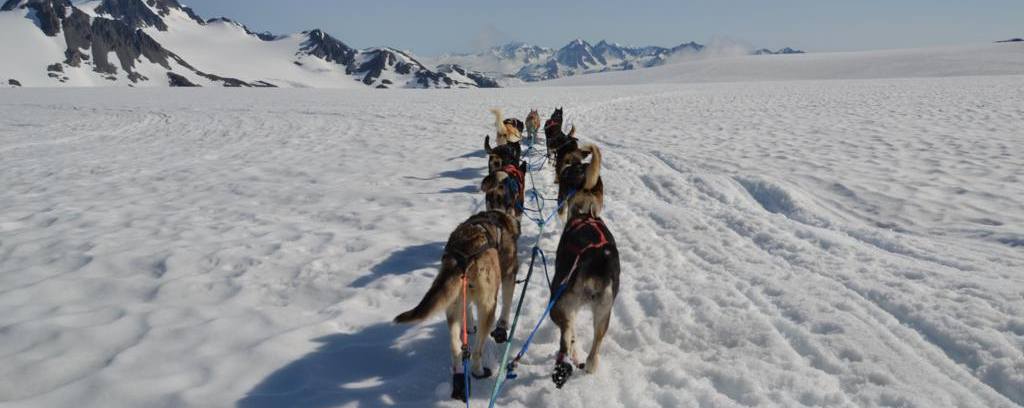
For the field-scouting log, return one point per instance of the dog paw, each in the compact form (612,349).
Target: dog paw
(562,373)
(459,387)
(500,335)
(487,374)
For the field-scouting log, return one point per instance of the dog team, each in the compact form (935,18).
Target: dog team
(480,258)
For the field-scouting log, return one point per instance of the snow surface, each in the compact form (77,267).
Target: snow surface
(852,243)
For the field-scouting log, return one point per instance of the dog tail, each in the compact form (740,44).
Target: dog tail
(594,168)
(442,293)
(499,121)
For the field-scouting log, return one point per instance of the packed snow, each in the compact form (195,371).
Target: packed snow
(840,243)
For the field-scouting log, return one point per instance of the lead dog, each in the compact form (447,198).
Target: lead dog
(586,271)
(483,250)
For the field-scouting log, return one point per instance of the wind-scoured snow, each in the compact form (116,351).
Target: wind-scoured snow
(840,243)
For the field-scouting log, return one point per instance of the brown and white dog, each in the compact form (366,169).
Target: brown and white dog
(508,130)
(532,126)
(483,250)
(586,266)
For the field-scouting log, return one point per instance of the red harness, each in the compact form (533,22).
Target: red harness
(594,223)
(576,224)
(514,172)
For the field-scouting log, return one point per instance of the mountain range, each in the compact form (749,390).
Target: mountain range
(526,62)
(164,43)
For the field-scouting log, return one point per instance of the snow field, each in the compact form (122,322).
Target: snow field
(812,243)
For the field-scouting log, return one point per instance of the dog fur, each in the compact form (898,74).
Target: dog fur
(508,131)
(497,192)
(502,155)
(532,125)
(486,271)
(584,179)
(595,281)
(554,138)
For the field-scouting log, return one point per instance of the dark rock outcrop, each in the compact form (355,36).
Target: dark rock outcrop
(481,80)
(134,13)
(164,8)
(176,80)
(319,44)
(127,43)
(13,82)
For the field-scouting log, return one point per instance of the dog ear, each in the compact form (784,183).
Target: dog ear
(487,144)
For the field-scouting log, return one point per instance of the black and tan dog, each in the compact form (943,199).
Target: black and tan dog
(511,180)
(587,264)
(574,177)
(554,138)
(504,190)
(500,156)
(483,250)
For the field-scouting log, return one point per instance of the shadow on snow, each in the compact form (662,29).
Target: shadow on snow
(367,368)
(404,260)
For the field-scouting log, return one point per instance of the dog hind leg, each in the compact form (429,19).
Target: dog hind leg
(564,316)
(602,310)
(486,300)
(454,315)
(508,287)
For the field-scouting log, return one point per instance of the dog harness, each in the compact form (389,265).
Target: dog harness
(516,192)
(481,220)
(580,242)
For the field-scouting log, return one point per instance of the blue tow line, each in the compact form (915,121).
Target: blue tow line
(541,222)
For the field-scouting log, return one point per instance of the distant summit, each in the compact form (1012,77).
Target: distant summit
(784,51)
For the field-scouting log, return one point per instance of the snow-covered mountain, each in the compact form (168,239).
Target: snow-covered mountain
(580,57)
(783,51)
(163,43)
(531,63)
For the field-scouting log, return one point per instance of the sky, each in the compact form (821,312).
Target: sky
(432,27)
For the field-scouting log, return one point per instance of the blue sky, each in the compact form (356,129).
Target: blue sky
(429,27)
